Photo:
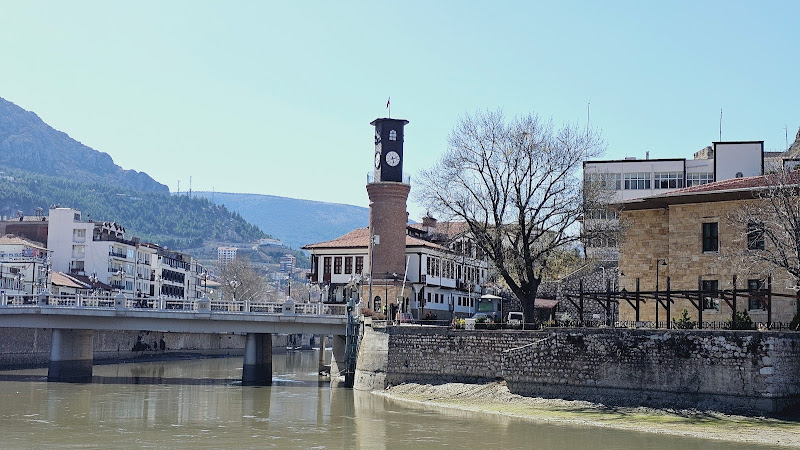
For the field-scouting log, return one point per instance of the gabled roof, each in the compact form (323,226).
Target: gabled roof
(62,279)
(359,238)
(11,239)
(447,229)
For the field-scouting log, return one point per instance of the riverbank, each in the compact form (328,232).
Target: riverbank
(495,398)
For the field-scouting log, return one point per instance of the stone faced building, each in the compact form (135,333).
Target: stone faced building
(688,235)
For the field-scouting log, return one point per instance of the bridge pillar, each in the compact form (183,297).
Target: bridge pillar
(257,369)
(323,342)
(338,360)
(71,353)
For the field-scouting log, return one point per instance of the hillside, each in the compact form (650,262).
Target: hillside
(27,143)
(177,222)
(295,222)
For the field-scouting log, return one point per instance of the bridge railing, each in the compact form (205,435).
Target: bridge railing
(166,304)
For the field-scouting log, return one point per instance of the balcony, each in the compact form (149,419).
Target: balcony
(371,178)
(117,254)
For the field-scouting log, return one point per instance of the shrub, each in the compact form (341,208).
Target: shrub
(741,321)
(684,323)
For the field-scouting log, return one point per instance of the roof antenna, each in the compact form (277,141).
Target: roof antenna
(720,124)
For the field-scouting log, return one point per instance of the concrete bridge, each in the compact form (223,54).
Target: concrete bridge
(74,319)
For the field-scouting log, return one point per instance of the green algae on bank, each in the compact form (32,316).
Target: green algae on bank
(495,398)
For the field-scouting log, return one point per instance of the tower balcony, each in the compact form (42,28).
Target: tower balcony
(371,178)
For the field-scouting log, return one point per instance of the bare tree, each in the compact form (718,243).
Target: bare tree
(771,224)
(241,282)
(517,186)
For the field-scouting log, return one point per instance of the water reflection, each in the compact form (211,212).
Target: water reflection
(201,403)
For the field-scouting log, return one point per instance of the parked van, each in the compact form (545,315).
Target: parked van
(515,319)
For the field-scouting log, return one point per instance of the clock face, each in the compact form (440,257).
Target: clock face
(392,158)
(377,160)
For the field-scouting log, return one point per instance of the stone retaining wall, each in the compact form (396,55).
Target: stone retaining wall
(733,371)
(435,355)
(730,371)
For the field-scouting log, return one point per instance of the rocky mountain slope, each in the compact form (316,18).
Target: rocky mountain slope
(27,143)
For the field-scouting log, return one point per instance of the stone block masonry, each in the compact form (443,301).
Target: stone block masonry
(434,355)
(744,372)
(732,371)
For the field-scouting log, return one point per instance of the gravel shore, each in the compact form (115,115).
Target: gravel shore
(495,398)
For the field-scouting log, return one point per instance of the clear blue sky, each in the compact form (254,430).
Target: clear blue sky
(276,97)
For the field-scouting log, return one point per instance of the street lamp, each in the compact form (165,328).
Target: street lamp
(234,283)
(659,262)
(205,281)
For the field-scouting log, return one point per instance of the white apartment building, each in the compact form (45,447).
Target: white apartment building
(445,274)
(24,267)
(225,255)
(631,178)
(101,251)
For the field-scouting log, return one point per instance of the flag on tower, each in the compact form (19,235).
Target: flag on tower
(388,101)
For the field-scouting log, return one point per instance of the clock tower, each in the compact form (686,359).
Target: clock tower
(388,195)
(389,149)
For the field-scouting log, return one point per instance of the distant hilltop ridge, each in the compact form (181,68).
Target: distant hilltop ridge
(27,143)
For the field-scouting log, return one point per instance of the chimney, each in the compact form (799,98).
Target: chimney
(428,221)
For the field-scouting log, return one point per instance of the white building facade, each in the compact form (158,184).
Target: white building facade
(101,251)
(24,267)
(444,279)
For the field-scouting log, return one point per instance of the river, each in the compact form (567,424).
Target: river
(199,403)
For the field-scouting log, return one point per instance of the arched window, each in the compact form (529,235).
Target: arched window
(392,135)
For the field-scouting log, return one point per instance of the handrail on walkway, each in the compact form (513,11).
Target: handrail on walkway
(122,302)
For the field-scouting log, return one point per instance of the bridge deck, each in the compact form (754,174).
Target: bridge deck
(219,318)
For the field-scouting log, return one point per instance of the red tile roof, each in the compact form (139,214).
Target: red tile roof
(359,238)
(733,184)
(449,229)
(735,188)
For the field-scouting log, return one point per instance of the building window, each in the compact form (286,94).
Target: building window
(602,214)
(326,266)
(428,265)
(348,264)
(377,304)
(711,237)
(755,236)
(710,289)
(638,180)
(756,299)
(609,181)
(359,264)
(668,180)
(337,265)
(696,179)
(392,135)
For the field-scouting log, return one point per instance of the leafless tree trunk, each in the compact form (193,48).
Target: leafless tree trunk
(770,225)
(517,186)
